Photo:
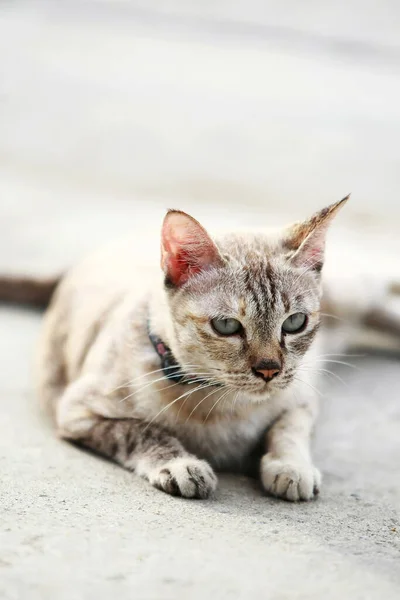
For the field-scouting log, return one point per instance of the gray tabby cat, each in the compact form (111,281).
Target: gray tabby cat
(196,367)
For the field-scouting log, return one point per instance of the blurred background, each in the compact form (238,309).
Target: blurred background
(244,113)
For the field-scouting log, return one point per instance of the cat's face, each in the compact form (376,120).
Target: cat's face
(244,309)
(233,321)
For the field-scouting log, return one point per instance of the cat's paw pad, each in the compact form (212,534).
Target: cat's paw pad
(291,480)
(186,477)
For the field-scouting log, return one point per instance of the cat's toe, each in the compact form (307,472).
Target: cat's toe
(291,480)
(187,477)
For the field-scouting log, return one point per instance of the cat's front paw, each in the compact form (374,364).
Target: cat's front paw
(188,477)
(289,479)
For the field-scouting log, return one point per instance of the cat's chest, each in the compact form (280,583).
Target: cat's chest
(226,443)
(224,438)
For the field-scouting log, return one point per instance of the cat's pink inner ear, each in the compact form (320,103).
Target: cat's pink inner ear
(186,248)
(307,239)
(311,251)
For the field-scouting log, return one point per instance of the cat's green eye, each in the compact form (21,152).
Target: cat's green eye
(226,326)
(295,323)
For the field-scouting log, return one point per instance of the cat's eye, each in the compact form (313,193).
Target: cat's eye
(295,323)
(227,326)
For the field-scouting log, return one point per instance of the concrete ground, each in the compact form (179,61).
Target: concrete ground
(111,111)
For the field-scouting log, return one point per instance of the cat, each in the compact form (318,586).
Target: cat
(206,364)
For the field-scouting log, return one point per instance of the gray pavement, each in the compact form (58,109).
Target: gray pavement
(112,111)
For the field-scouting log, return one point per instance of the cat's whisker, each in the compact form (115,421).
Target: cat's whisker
(183,366)
(225,401)
(200,387)
(212,383)
(200,402)
(328,372)
(171,385)
(132,381)
(309,385)
(310,369)
(324,314)
(186,379)
(169,405)
(215,404)
(345,354)
(235,401)
(146,385)
(338,362)
(138,391)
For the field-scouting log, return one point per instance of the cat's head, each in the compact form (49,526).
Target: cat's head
(244,308)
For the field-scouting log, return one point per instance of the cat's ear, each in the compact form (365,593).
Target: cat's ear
(186,248)
(306,241)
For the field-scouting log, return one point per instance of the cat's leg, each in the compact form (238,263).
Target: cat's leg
(287,470)
(148,449)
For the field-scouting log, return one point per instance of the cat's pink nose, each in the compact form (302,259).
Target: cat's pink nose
(267,369)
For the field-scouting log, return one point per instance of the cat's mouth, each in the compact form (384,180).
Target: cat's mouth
(255,388)
(258,388)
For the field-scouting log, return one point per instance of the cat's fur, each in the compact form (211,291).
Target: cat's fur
(100,375)
(101,380)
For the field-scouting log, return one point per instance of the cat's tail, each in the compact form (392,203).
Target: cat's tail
(31,291)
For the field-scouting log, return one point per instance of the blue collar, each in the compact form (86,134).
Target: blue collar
(172,369)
